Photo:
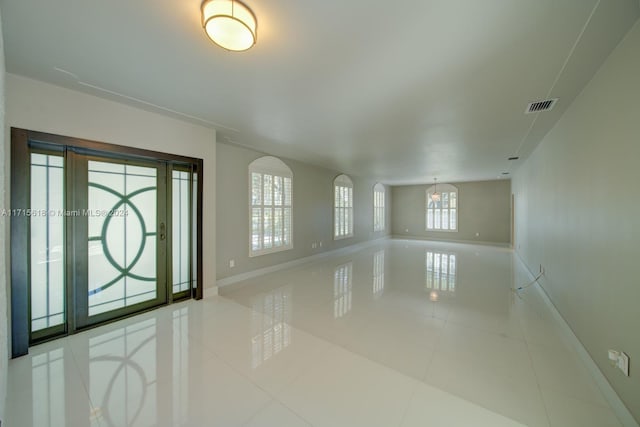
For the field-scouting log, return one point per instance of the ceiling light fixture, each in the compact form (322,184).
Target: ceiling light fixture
(230,24)
(435,196)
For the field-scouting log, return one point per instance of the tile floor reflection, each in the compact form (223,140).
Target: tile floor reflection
(402,333)
(271,325)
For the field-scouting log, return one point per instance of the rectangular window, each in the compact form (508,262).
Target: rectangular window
(181,241)
(441,211)
(270,213)
(47,241)
(343,216)
(378,208)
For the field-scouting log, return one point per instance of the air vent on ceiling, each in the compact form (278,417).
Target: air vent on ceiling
(513,158)
(538,106)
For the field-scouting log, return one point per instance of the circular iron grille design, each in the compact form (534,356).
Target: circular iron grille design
(124,201)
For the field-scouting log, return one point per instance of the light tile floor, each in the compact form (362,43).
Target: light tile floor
(402,333)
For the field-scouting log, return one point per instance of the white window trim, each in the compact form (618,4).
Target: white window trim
(272,166)
(343,181)
(379,188)
(447,188)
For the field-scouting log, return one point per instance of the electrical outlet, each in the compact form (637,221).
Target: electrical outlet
(406,230)
(477,234)
(232,263)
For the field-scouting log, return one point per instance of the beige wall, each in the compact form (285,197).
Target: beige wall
(484,208)
(4,232)
(578,214)
(312,212)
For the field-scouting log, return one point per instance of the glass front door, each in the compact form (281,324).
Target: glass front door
(98,232)
(122,236)
(124,216)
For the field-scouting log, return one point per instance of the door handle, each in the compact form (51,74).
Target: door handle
(162,231)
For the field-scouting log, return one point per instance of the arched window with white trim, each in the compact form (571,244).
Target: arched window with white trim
(378,207)
(270,206)
(343,207)
(442,208)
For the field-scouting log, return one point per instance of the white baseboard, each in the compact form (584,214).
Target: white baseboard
(293,263)
(466,242)
(210,291)
(609,393)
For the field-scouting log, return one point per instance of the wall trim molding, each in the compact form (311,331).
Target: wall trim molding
(289,264)
(618,407)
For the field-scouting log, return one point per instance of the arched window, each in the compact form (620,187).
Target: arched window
(378,207)
(270,206)
(442,208)
(343,207)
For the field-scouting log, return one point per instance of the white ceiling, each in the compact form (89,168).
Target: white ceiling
(402,91)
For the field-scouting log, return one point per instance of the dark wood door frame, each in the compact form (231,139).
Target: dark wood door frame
(22,141)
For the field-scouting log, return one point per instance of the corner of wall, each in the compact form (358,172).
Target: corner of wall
(4,248)
(211,288)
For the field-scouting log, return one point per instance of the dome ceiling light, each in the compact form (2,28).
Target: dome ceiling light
(230,24)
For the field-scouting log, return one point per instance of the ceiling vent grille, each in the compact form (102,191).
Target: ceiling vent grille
(538,106)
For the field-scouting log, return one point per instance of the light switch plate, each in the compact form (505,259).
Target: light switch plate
(623,363)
